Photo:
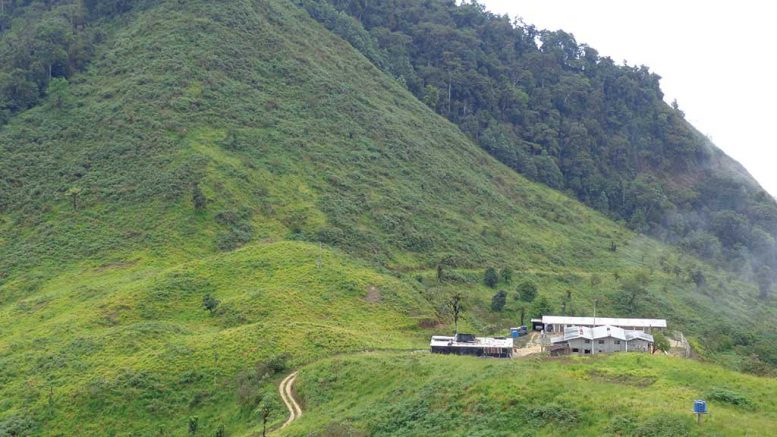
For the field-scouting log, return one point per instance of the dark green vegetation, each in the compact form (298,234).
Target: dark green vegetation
(615,395)
(227,182)
(559,113)
(45,42)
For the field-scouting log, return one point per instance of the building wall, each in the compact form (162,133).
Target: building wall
(639,345)
(608,345)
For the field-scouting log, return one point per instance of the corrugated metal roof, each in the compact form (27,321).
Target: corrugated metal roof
(589,321)
(600,332)
(443,341)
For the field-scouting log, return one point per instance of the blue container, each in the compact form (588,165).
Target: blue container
(699,407)
(515,333)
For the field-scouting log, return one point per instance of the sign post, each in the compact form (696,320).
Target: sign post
(699,408)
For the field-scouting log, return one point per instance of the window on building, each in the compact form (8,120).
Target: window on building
(617,342)
(587,341)
(588,351)
(576,350)
(601,341)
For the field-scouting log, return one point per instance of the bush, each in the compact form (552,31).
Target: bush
(527,291)
(490,277)
(210,303)
(727,397)
(499,300)
(553,414)
(666,425)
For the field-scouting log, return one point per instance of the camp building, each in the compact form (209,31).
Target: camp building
(560,323)
(601,339)
(468,344)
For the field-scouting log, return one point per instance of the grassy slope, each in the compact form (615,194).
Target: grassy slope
(624,394)
(292,136)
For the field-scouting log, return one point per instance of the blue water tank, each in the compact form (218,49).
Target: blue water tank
(515,332)
(699,406)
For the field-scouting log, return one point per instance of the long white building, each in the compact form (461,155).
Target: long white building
(560,323)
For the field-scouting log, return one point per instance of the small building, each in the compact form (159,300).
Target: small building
(601,340)
(560,323)
(468,344)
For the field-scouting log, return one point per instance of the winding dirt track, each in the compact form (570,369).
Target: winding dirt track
(288,398)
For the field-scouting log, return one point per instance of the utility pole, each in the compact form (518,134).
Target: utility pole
(593,345)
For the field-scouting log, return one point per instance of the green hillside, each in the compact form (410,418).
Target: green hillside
(614,395)
(239,156)
(558,112)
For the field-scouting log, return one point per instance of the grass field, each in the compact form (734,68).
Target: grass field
(384,394)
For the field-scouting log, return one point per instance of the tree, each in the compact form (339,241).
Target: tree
(490,277)
(523,313)
(58,91)
(541,307)
(697,276)
(198,198)
(527,290)
(660,342)
(74,193)
(431,96)
(456,308)
(264,413)
(210,303)
(632,290)
(498,301)
(764,278)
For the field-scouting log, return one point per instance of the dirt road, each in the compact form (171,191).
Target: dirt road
(285,389)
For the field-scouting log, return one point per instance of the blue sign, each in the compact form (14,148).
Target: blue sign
(700,407)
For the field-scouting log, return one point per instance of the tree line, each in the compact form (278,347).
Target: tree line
(559,113)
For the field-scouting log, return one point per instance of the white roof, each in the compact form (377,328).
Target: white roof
(589,321)
(439,340)
(599,332)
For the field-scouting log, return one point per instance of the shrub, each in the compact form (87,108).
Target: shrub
(336,429)
(210,303)
(527,291)
(553,414)
(499,300)
(666,425)
(727,397)
(490,277)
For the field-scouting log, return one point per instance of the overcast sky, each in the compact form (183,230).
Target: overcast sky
(716,58)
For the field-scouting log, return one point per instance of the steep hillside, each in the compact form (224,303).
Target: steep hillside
(228,182)
(559,113)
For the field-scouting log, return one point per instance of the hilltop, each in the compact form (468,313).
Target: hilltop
(227,190)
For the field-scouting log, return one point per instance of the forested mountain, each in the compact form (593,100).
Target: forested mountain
(559,113)
(198,197)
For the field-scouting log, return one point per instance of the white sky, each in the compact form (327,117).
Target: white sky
(717,58)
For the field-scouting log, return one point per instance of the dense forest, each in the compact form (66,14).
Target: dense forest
(44,43)
(561,114)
